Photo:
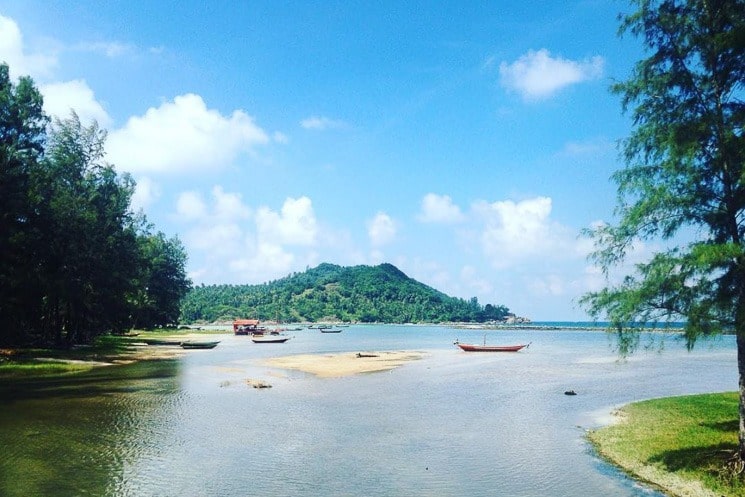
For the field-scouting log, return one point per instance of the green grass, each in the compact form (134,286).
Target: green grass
(25,368)
(33,362)
(677,443)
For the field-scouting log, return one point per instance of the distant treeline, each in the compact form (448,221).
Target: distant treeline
(75,261)
(334,293)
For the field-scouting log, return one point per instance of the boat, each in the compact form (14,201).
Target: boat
(269,339)
(330,330)
(199,344)
(159,341)
(490,348)
(246,326)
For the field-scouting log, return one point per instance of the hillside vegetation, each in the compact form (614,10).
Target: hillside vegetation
(333,293)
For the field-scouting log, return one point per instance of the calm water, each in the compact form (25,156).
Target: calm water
(452,424)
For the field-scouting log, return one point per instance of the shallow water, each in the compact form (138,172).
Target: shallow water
(454,423)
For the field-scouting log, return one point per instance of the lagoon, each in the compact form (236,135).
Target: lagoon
(453,423)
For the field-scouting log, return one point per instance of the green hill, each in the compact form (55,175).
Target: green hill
(334,293)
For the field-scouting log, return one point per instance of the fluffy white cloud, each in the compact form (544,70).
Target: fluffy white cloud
(294,225)
(190,205)
(61,98)
(234,242)
(183,135)
(229,206)
(320,123)
(439,209)
(381,229)
(146,192)
(537,75)
(515,230)
(267,260)
(21,63)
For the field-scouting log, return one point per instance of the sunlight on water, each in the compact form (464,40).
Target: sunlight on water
(453,423)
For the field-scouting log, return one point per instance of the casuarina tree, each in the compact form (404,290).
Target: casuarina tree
(683,179)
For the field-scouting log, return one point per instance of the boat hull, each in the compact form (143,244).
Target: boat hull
(269,339)
(490,348)
(199,345)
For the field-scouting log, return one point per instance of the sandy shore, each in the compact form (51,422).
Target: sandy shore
(345,363)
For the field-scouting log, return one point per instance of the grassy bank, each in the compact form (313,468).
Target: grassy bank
(683,445)
(105,350)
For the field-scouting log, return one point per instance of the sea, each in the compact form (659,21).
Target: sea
(451,424)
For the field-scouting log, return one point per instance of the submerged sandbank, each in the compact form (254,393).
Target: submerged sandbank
(344,363)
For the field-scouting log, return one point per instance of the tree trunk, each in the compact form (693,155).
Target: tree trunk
(741,371)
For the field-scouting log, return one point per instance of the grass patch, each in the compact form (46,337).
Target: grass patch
(26,368)
(31,362)
(43,362)
(682,444)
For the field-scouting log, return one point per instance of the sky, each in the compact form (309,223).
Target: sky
(468,143)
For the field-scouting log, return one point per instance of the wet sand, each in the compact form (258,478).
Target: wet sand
(345,363)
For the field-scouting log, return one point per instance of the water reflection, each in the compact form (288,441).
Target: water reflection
(76,435)
(452,424)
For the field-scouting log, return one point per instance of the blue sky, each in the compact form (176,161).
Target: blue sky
(468,143)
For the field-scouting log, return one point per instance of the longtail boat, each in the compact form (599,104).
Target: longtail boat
(199,344)
(490,348)
(269,339)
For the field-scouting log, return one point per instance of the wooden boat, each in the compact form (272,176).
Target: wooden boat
(159,341)
(490,348)
(330,330)
(246,326)
(199,344)
(269,339)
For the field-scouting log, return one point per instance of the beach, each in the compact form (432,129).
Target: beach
(344,364)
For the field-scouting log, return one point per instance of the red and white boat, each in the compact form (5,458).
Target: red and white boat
(490,348)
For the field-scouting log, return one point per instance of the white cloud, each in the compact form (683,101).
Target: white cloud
(439,209)
(515,231)
(61,98)
(320,123)
(146,192)
(472,280)
(229,205)
(280,137)
(549,284)
(235,243)
(381,229)
(183,135)
(267,259)
(190,205)
(13,52)
(294,225)
(537,75)
(110,49)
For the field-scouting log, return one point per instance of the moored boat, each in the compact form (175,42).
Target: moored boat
(490,348)
(189,344)
(330,330)
(159,341)
(246,326)
(269,339)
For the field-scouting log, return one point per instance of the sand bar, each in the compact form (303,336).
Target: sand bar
(345,363)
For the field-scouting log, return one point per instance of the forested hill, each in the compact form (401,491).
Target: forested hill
(328,292)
